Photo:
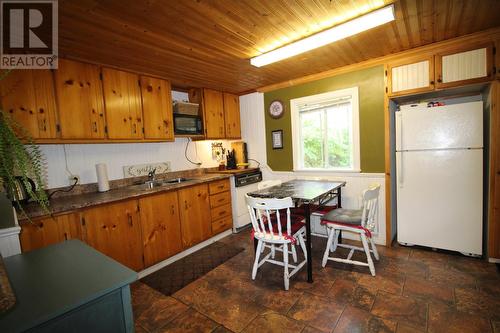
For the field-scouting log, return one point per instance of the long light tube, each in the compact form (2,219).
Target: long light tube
(349,28)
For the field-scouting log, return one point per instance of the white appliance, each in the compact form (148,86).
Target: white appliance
(241,184)
(439,167)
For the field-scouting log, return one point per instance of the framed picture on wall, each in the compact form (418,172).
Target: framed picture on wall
(277,139)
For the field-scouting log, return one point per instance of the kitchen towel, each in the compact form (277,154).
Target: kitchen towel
(102,177)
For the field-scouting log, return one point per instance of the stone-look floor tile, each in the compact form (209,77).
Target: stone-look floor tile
(187,294)
(271,322)
(478,303)
(191,321)
(490,284)
(317,312)
(452,278)
(473,266)
(309,329)
(387,282)
(139,329)
(226,307)
(402,328)
(160,312)
(363,298)
(321,283)
(222,329)
(429,257)
(400,309)
(349,292)
(396,251)
(358,320)
(429,291)
(404,267)
(496,326)
(445,319)
(278,300)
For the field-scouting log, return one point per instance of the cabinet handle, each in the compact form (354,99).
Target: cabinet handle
(65,236)
(220,200)
(130,223)
(185,204)
(221,186)
(135,128)
(94,126)
(432,82)
(440,80)
(172,210)
(222,213)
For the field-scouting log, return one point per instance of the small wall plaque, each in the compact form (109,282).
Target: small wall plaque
(277,137)
(144,169)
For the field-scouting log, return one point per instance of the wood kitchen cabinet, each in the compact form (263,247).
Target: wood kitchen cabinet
(49,230)
(115,230)
(28,97)
(122,96)
(410,76)
(157,108)
(194,207)
(80,101)
(213,111)
(220,206)
(466,66)
(161,227)
(232,116)
(494,176)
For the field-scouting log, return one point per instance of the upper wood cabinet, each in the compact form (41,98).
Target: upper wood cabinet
(410,76)
(213,111)
(194,209)
(28,97)
(115,230)
(80,101)
(49,230)
(157,108)
(122,96)
(161,227)
(466,66)
(232,116)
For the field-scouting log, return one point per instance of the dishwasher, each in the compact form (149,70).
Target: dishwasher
(241,184)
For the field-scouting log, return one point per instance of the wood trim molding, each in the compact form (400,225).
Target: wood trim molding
(475,38)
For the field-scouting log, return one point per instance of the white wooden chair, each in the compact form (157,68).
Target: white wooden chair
(273,226)
(361,222)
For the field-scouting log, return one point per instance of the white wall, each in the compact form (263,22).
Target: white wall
(253,132)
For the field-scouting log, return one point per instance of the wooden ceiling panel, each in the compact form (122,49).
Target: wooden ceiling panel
(208,43)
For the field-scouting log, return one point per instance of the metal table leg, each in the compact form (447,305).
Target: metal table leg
(339,205)
(308,242)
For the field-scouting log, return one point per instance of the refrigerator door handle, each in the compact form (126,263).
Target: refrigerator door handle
(399,170)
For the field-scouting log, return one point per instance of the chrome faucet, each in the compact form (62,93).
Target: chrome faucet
(152,175)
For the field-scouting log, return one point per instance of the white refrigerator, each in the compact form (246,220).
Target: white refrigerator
(439,174)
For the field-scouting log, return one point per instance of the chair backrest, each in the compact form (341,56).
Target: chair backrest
(268,183)
(370,207)
(267,215)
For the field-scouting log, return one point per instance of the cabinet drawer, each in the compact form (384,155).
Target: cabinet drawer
(221,225)
(220,199)
(218,186)
(220,212)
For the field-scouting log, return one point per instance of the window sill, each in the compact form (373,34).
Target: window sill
(329,170)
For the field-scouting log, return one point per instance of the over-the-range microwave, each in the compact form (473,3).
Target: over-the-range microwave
(187,124)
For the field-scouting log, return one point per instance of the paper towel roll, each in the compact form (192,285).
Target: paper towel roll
(102,177)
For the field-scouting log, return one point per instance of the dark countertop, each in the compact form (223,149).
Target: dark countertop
(74,202)
(56,279)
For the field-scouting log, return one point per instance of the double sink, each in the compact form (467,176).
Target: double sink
(151,184)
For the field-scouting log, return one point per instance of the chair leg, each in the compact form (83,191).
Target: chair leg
(257,257)
(329,243)
(273,251)
(335,240)
(303,245)
(368,255)
(285,265)
(374,249)
(294,253)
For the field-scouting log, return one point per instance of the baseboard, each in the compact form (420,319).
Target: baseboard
(494,260)
(183,254)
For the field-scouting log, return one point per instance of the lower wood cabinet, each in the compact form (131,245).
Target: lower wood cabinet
(115,230)
(194,206)
(161,227)
(49,230)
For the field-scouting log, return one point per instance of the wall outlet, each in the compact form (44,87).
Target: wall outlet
(72,179)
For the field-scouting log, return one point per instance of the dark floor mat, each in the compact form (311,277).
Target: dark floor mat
(179,274)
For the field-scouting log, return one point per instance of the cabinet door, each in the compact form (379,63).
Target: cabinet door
(194,209)
(410,77)
(49,230)
(114,230)
(213,110)
(465,67)
(232,116)
(494,181)
(79,99)
(157,108)
(122,97)
(28,97)
(161,227)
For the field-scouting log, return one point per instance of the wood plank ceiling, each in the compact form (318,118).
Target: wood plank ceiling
(208,43)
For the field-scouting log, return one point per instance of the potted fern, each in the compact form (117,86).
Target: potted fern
(21,163)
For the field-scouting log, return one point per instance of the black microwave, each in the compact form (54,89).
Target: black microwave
(187,124)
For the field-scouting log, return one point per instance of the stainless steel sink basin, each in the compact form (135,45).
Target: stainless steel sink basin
(176,180)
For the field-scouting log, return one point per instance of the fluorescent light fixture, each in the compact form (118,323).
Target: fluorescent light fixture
(349,28)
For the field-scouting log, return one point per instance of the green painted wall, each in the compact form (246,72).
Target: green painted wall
(370,83)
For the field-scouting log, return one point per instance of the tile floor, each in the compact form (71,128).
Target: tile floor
(415,290)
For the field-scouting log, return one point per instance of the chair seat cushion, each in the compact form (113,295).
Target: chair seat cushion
(345,216)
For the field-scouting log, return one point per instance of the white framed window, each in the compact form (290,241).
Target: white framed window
(325,131)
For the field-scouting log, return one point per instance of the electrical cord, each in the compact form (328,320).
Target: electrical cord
(66,190)
(185,153)
(251,159)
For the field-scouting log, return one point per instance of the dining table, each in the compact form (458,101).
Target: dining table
(305,193)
